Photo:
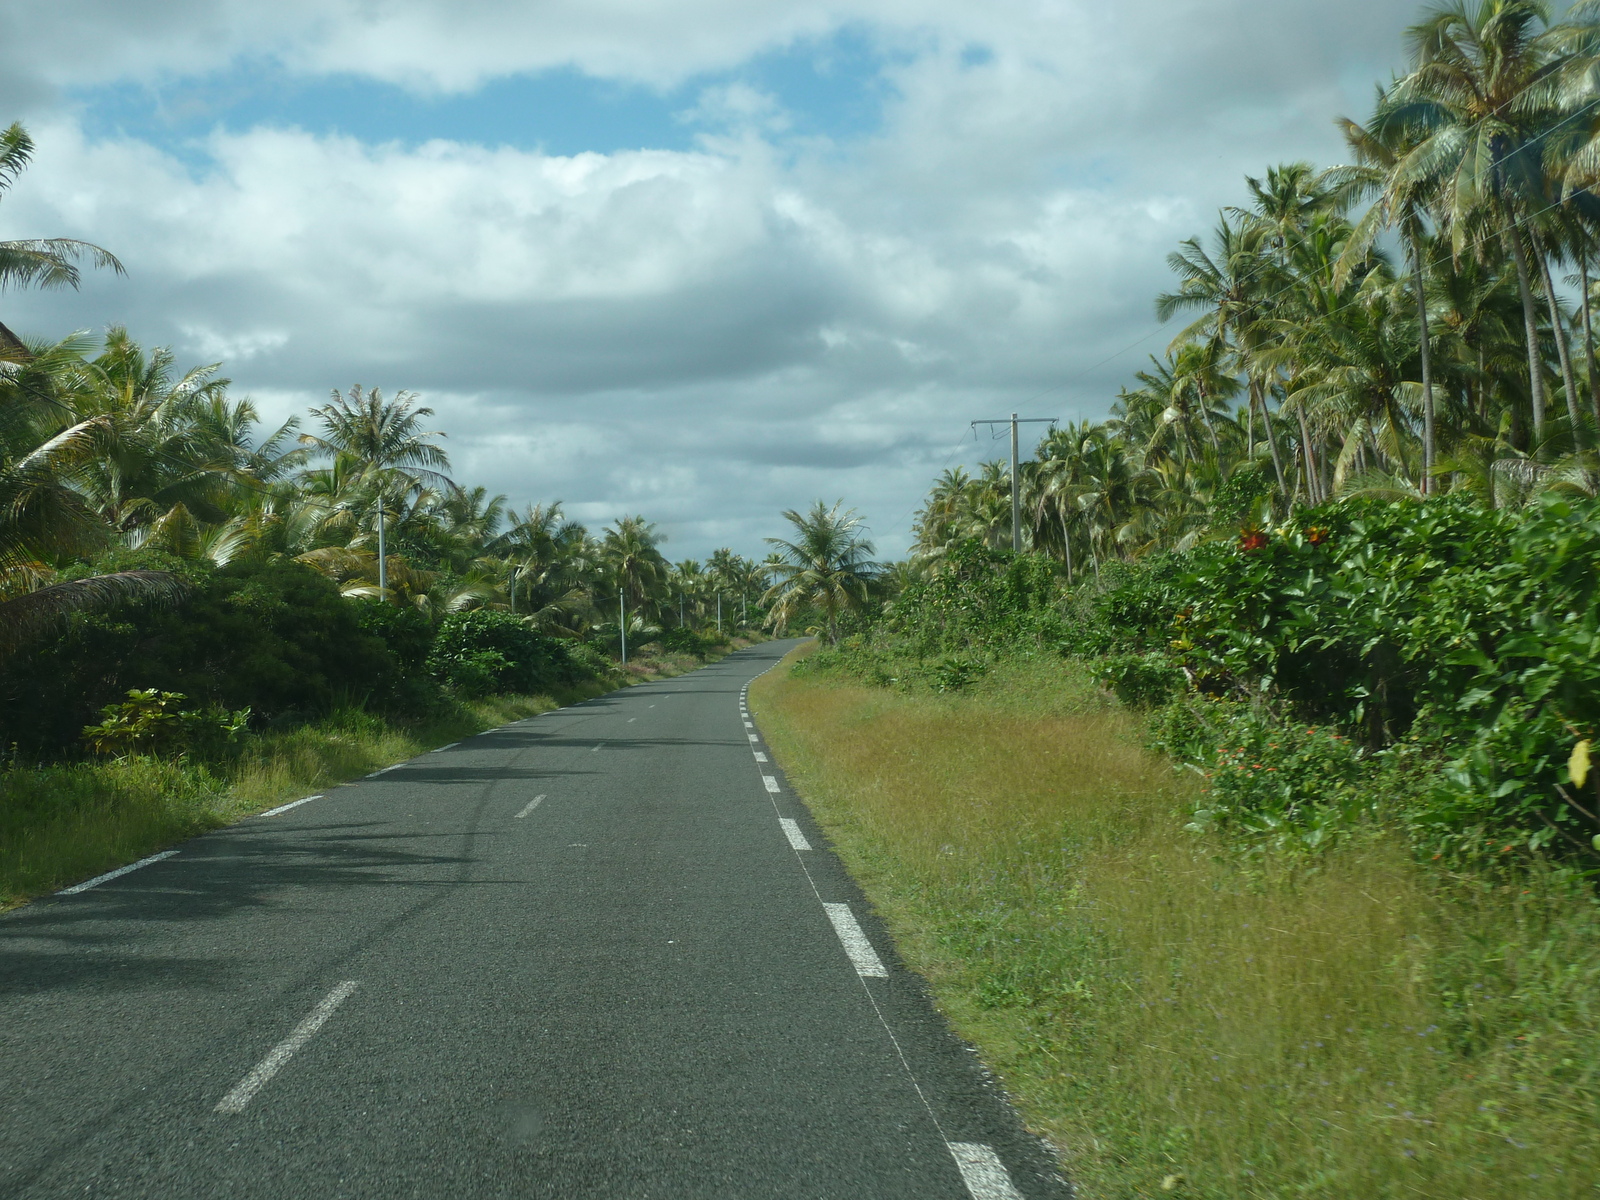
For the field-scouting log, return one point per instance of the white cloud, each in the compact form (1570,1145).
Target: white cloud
(707,336)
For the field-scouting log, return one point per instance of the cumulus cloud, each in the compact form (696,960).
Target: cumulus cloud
(705,335)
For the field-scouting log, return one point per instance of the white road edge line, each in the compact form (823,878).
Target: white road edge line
(791,830)
(110,875)
(442,749)
(982,1171)
(772,784)
(532,804)
(862,956)
(269,1066)
(283,808)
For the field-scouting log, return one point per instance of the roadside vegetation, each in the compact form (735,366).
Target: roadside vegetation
(1243,816)
(200,617)
(1181,1015)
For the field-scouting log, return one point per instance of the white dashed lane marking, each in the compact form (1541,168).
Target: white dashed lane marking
(110,875)
(791,830)
(772,784)
(532,804)
(269,1066)
(982,1171)
(760,757)
(283,808)
(862,956)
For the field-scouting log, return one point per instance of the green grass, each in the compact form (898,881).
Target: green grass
(1178,1018)
(63,823)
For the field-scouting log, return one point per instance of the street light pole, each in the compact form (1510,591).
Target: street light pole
(719,614)
(622,624)
(1016,481)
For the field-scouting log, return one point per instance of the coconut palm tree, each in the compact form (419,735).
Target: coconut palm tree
(1488,81)
(37,262)
(630,556)
(825,564)
(386,439)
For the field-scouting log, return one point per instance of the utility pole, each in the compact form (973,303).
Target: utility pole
(622,624)
(680,610)
(1016,482)
(719,614)
(383,564)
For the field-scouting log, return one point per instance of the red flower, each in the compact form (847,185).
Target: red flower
(1317,534)
(1251,540)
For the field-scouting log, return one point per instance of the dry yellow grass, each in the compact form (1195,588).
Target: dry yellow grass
(1183,1021)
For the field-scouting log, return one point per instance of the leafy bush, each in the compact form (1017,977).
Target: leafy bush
(1141,680)
(151,722)
(979,598)
(1293,784)
(273,637)
(956,672)
(1476,628)
(680,640)
(485,651)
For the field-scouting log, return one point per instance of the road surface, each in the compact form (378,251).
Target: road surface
(602,952)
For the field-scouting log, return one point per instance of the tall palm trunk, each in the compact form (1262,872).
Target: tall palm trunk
(1066,545)
(1309,456)
(383,562)
(1427,366)
(1567,379)
(1530,324)
(1588,343)
(1260,398)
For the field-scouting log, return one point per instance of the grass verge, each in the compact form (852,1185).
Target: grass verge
(1178,1018)
(67,822)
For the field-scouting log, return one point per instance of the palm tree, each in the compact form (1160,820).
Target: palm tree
(827,565)
(1401,202)
(385,438)
(37,262)
(1486,84)
(630,555)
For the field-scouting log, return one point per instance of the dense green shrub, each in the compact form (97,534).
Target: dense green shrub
(485,650)
(1476,628)
(681,640)
(1141,680)
(979,598)
(273,637)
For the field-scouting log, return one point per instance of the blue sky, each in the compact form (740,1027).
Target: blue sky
(831,88)
(700,259)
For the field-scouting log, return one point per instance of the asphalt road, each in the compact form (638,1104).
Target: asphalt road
(603,952)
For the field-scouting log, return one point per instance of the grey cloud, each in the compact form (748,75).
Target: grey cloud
(706,338)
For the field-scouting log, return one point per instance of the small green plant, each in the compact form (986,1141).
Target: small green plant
(155,723)
(685,641)
(1140,680)
(955,673)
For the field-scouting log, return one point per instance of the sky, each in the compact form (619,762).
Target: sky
(704,260)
